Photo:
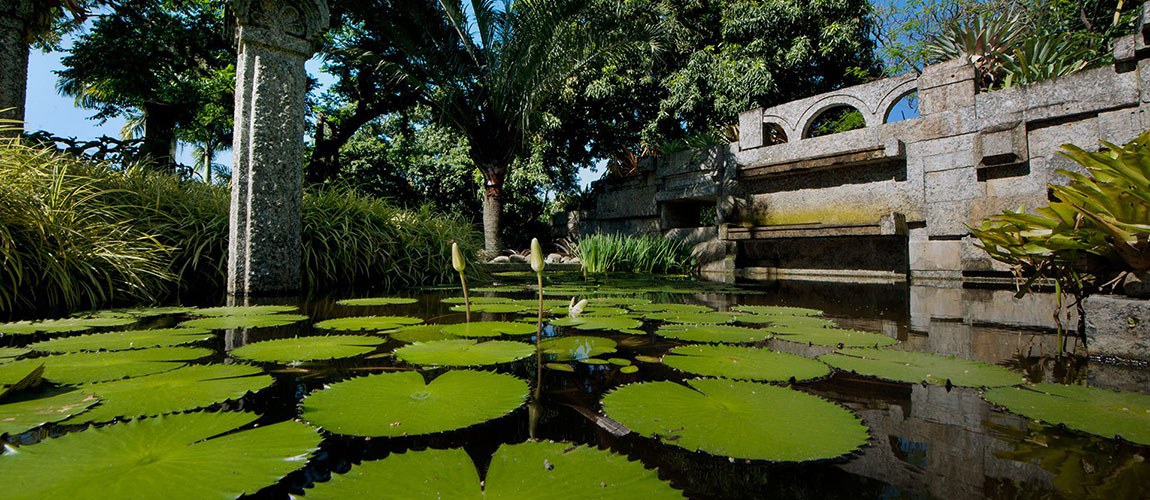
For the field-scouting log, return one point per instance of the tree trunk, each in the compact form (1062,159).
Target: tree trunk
(324,163)
(13,71)
(492,209)
(160,135)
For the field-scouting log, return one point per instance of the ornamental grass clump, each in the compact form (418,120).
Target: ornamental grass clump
(603,253)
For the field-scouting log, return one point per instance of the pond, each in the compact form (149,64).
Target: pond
(817,411)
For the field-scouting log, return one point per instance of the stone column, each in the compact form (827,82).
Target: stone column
(275,39)
(14,16)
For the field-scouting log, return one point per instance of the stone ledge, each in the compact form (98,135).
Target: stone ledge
(1118,327)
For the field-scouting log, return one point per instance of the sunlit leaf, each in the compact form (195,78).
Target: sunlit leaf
(1097,411)
(242,310)
(589,323)
(377,301)
(726,334)
(124,340)
(778,310)
(573,348)
(489,329)
(367,323)
(833,337)
(744,363)
(308,348)
(86,367)
(19,416)
(420,333)
(464,352)
(61,325)
(914,367)
(245,321)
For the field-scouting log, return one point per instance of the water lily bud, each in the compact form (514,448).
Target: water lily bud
(457,258)
(536,256)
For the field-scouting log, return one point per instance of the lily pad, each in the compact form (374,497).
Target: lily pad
(628,302)
(588,323)
(738,419)
(402,404)
(420,333)
(247,321)
(243,310)
(464,352)
(833,337)
(592,311)
(788,322)
(20,416)
(649,359)
(629,369)
(495,308)
(915,367)
(86,367)
(573,348)
(181,389)
(560,367)
(61,325)
(377,301)
(531,470)
(177,456)
(705,318)
(364,323)
(308,348)
(1096,411)
(121,341)
(10,353)
(674,308)
(489,329)
(593,361)
(152,312)
(744,363)
(778,310)
(479,300)
(726,334)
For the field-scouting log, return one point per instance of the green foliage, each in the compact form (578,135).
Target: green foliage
(835,120)
(19,416)
(603,253)
(744,363)
(1088,409)
(119,341)
(313,348)
(87,367)
(463,352)
(915,367)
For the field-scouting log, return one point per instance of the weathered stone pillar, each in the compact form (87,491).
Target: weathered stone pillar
(275,39)
(14,16)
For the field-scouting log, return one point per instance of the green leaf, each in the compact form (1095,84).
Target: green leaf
(420,333)
(182,389)
(464,352)
(587,323)
(744,363)
(151,312)
(737,419)
(915,367)
(120,341)
(172,457)
(672,308)
(706,318)
(495,308)
(560,367)
(362,323)
(377,301)
(9,353)
(778,310)
(726,334)
(17,417)
(833,337)
(401,404)
(308,348)
(574,348)
(86,367)
(248,321)
(242,311)
(1096,411)
(489,329)
(61,325)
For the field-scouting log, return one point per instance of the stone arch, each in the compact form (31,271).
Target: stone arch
(776,130)
(894,96)
(830,102)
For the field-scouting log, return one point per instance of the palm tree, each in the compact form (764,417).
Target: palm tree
(490,71)
(26,22)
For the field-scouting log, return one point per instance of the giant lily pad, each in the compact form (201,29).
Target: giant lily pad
(704,318)
(402,404)
(671,308)
(573,348)
(726,334)
(20,416)
(737,419)
(489,329)
(914,367)
(308,348)
(464,352)
(588,323)
(243,321)
(778,310)
(833,337)
(151,312)
(10,353)
(1088,409)
(85,367)
(177,456)
(120,341)
(243,310)
(377,301)
(744,363)
(61,325)
(420,333)
(181,389)
(531,470)
(495,308)
(364,323)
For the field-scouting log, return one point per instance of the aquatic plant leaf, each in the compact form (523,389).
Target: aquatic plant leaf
(743,363)
(573,348)
(61,325)
(833,337)
(788,322)
(778,310)
(726,334)
(19,376)
(495,308)
(172,457)
(152,312)
(531,470)
(181,389)
(648,359)
(308,348)
(592,311)
(377,301)
(19,416)
(11,353)
(737,419)
(627,302)
(671,308)
(915,367)
(705,318)
(560,367)
(246,321)
(464,352)
(1088,409)
(124,340)
(87,367)
(401,404)
(420,333)
(614,323)
(593,361)
(242,310)
(629,369)
(479,300)
(364,323)
(619,361)
(489,329)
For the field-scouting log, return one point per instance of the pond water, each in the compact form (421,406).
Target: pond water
(925,440)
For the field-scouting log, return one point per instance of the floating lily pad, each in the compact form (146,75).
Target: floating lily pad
(560,367)
(737,419)
(628,302)
(778,310)
(86,367)
(10,353)
(674,308)
(531,470)
(420,333)
(464,352)
(19,375)
(649,359)
(243,310)
(1096,411)
(181,389)
(479,300)
(705,318)
(247,321)
(120,341)
(377,301)
(20,416)
(573,348)
(308,348)
(495,308)
(619,361)
(629,369)
(489,329)
(788,322)
(364,323)
(151,312)
(726,334)
(833,337)
(744,363)
(401,404)
(61,325)
(915,367)
(593,361)
(176,457)
(587,323)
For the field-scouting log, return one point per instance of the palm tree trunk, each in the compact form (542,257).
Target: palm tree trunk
(492,209)
(13,69)
(160,135)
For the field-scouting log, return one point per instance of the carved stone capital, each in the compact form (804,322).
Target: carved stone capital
(300,19)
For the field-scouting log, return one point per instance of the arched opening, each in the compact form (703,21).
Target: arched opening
(904,108)
(773,133)
(835,119)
